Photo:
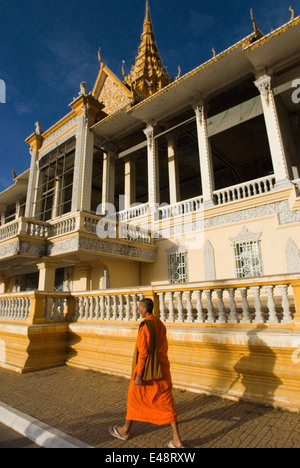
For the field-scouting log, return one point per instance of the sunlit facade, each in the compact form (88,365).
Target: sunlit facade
(183,189)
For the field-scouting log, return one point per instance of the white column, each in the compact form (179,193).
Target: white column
(153,167)
(32,186)
(108,180)
(83,166)
(130,183)
(35,141)
(173,169)
(278,155)
(86,108)
(205,156)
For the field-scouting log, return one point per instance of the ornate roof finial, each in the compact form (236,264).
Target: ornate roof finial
(38,128)
(254,23)
(179,73)
(99,56)
(293,13)
(83,89)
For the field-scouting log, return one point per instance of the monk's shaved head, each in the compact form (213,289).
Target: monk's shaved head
(148,304)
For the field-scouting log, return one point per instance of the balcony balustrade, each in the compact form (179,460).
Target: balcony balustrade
(245,190)
(88,222)
(266,301)
(263,301)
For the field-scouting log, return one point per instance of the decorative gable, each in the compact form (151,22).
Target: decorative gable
(110,91)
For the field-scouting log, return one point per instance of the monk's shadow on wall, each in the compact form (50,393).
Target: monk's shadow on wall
(256,370)
(257,385)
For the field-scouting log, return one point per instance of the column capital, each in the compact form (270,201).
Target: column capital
(200,112)
(264,85)
(46,262)
(199,102)
(35,141)
(86,104)
(149,132)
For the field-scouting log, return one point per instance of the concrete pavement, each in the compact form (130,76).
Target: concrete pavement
(79,406)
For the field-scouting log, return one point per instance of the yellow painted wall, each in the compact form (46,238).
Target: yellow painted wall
(256,364)
(273,242)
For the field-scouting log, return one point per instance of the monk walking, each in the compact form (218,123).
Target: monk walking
(150,392)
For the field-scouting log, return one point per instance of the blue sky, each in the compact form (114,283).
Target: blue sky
(48,48)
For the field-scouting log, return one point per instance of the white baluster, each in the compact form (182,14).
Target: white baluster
(27,307)
(200,315)
(102,307)
(108,308)
(61,314)
(20,309)
(97,308)
(287,315)
(162,306)
(81,308)
(210,307)
(14,308)
(189,306)
(127,318)
(121,307)
(91,308)
(171,307)
(271,305)
(115,308)
(86,308)
(134,308)
(232,305)
(259,318)
(180,317)
(245,306)
(221,306)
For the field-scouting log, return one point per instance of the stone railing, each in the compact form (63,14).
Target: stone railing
(263,301)
(69,223)
(257,303)
(134,212)
(113,305)
(226,195)
(116,229)
(25,227)
(34,307)
(245,190)
(181,208)
(9,230)
(15,306)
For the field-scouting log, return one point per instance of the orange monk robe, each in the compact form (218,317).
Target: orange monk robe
(153,400)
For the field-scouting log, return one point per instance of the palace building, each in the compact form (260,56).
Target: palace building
(186,190)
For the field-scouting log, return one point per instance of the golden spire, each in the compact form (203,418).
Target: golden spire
(148,75)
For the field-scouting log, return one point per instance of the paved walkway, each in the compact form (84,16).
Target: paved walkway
(83,404)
